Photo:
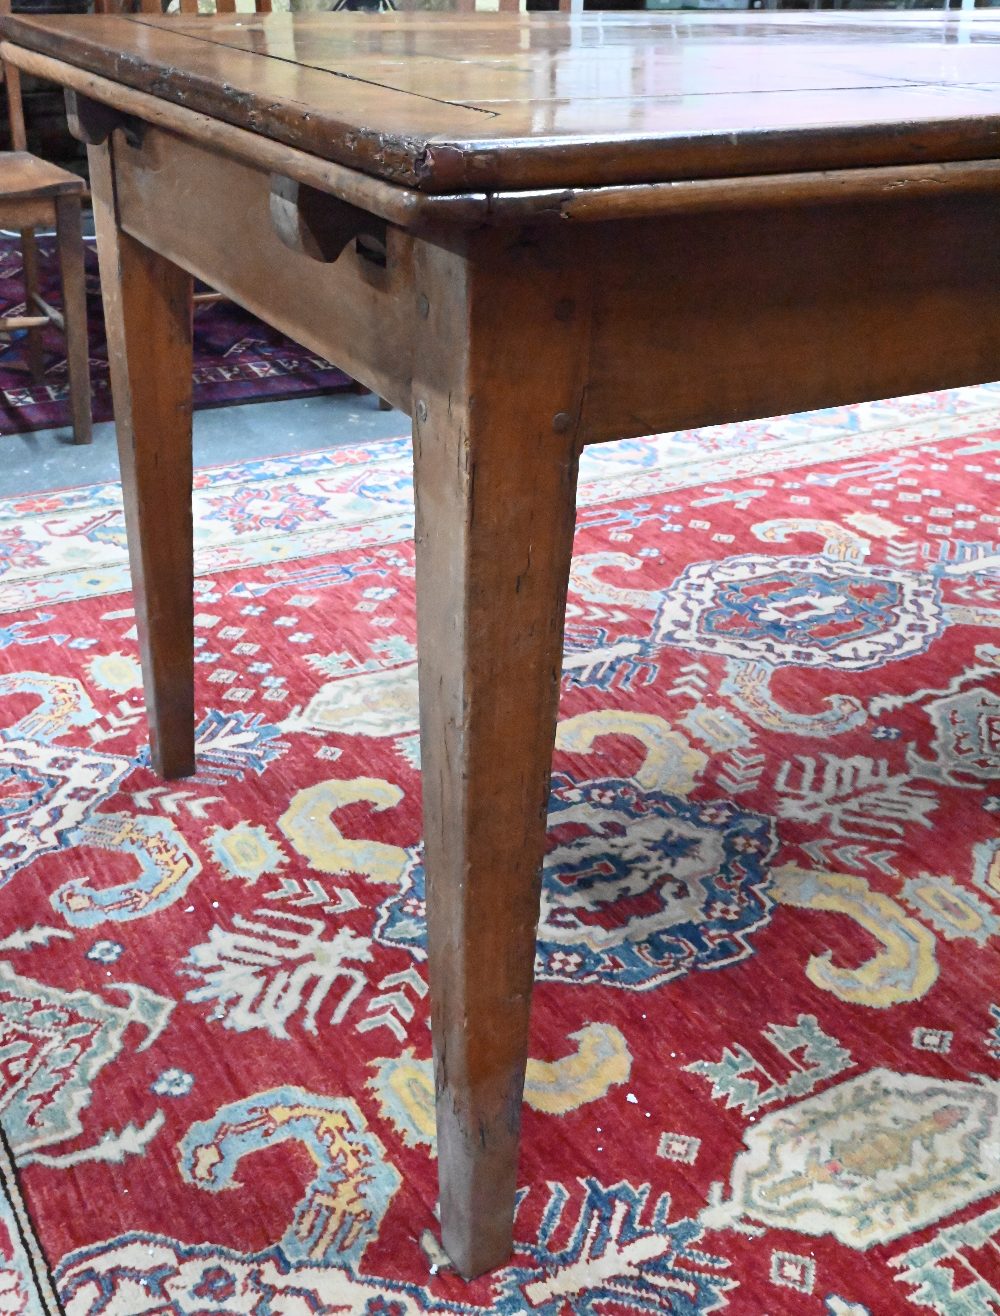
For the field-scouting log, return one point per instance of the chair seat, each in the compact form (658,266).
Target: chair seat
(25,175)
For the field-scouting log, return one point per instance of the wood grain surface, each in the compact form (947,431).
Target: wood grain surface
(24,175)
(147,310)
(495,481)
(452,102)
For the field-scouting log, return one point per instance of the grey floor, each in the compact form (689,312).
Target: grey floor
(48,459)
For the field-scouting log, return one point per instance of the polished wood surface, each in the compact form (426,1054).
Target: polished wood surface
(724,273)
(447,103)
(422,211)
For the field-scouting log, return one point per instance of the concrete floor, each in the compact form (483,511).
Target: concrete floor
(48,459)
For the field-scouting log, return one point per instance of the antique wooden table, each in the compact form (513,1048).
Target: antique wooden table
(530,233)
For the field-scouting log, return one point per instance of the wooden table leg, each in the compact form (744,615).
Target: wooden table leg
(70,242)
(32,285)
(497,395)
(147,310)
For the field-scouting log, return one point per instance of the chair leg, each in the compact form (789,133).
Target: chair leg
(36,348)
(70,241)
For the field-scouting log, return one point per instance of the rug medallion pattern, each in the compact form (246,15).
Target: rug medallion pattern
(765,1071)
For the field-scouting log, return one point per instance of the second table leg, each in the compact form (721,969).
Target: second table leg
(496,400)
(70,243)
(147,311)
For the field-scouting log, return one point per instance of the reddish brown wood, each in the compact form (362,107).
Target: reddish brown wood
(459,102)
(29,265)
(495,478)
(319,225)
(147,308)
(186,202)
(154,7)
(423,212)
(96,96)
(70,242)
(791,308)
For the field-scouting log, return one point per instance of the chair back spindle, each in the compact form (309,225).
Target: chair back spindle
(156,7)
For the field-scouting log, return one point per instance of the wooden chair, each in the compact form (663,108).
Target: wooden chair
(156,7)
(35,194)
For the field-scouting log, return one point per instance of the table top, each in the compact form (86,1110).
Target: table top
(510,102)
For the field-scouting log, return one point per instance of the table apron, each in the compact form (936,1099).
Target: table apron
(211,215)
(697,319)
(709,318)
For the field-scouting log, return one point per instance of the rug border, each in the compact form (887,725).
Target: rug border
(38,1262)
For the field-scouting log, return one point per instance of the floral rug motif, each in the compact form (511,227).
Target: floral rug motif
(765,1074)
(237,358)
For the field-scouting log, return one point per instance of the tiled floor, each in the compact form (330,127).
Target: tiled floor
(48,459)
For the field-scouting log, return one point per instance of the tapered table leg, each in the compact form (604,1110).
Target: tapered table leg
(147,310)
(497,395)
(32,285)
(70,243)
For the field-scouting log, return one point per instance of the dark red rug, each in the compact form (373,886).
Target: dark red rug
(765,1075)
(236,358)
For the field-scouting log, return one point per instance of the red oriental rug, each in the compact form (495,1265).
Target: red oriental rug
(236,358)
(766,1048)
